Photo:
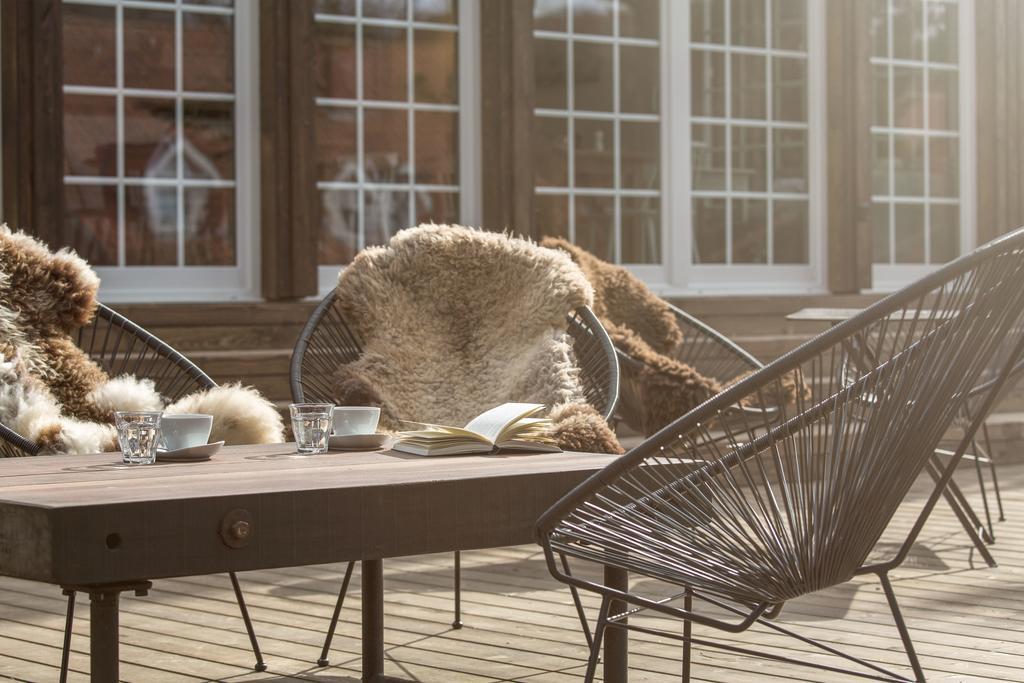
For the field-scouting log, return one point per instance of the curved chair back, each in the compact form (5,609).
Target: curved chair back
(120,347)
(327,341)
(765,508)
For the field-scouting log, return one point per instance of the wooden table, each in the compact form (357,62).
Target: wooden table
(90,523)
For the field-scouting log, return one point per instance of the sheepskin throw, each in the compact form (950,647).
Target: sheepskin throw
(454,321)
(53,394)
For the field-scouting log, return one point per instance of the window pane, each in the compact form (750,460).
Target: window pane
(641,86)
(551,215)
(436,55)
(443,11)
(549,15)
(789,24)
(208,52)
(339,226)
(149,49)
(437,147)
(386,146)
(592,76)
(90,135)
(345,7)
(909,166)
(908,29)
(595,226)
(789,154)
(639,18)
(707,21)
(789,86)
(550,151)
(149,138)
(909,233)
(385,214)
(595,159)
(384,63)
(335,133)
(707,83)
(209,140)
(592,17)
(437,207)
(641,163)
(151,226)
(91,216)
(749,231)
(880,95)
(880,164)
(747,20)
(942,32)
(943,100)
(549,73)
(210,231)
(748,88)
(880,233)
(789,232)
(89,46)
(944,161)
(708,151)
(641,230)
(945,232)
(908,94)
(749,159)
(334,60)
(879,28)
(708,230)
(386,9)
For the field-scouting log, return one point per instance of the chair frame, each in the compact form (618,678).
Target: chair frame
(121,346)
(313,363)
(560,532)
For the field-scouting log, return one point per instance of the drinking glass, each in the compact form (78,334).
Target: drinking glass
(311,423)
(138,432)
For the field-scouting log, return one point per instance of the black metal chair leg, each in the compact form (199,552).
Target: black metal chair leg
(324,661)
(260,664)
(992,469)
(978,456)
(69,622)
(687,634)
(457,622)
(908,644)
(595,648)
(579,604)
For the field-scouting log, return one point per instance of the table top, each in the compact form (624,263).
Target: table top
(88,519)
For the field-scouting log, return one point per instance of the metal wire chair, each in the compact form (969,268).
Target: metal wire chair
(120,347)
(327,341)
(791,505)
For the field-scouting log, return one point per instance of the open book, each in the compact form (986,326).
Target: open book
(510,426)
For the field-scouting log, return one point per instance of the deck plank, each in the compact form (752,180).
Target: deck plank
(967,620)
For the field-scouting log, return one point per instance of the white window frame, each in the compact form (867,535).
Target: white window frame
(125,283)
(468,108)
(891,277)
(686,278)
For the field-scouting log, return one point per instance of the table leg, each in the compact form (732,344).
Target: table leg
(616,640)
(373,620)
(103,635)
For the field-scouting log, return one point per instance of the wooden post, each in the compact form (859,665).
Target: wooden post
(616,640)
(373,620)
(289,226)
(507,102)
(849,145)
(31,73)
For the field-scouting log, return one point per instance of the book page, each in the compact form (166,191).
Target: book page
(490,424)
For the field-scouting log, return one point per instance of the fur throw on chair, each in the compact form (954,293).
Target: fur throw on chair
(454,321)
(52,393)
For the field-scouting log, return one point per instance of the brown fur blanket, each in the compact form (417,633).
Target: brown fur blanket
(454,321)
(53,394)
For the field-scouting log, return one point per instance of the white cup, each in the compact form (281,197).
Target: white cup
(185,431)
(349,420)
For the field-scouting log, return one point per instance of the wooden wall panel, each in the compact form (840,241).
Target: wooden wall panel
(999,27)
(288,201)
(848,146)
(32,117)
(507,102)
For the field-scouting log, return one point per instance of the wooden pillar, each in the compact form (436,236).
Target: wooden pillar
(848,93)
(32,125)
(288,201)
(999,84)
(507,103)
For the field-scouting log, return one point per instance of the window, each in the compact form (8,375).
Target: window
(597,134)
(157,159)
(755,149)
(920,192)
(393,125)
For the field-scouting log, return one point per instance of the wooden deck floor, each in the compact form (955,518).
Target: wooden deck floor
(967,620)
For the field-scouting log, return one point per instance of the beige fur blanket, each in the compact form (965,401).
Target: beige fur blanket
(454,321)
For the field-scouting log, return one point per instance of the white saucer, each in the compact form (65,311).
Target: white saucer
(357,442)
(190,454)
